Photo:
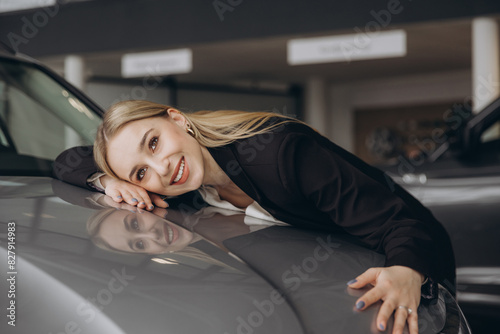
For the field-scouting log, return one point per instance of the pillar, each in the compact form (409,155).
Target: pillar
(485,62)
(74,72)
(315,113)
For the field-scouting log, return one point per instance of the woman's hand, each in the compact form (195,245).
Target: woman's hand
(123,191)
(399,289)
(109,202)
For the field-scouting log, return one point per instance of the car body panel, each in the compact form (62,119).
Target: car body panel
(65,281)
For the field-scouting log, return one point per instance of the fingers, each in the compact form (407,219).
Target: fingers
(372,296)
(160,212)
(367,277)
(115,194)
(158,201)
(400,316)
(399,289)
(135,196)
(413,323)
(123,191)
(139,199)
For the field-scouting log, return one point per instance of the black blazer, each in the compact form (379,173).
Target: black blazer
(303,179)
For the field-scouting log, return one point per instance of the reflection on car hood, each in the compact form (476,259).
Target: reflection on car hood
(273,280)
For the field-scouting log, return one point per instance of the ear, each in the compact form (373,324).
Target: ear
(177,117)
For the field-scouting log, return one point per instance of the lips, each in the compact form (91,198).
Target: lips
(181,172)
(171,234)
(176,170)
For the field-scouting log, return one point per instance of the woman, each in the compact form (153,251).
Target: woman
(281,167)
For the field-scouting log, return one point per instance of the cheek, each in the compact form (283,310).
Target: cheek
(153,184)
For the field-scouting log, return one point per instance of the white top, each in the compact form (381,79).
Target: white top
(253,211)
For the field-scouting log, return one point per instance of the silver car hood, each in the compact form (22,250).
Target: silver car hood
(274,280)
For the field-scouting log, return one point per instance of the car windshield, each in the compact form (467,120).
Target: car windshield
(39,118)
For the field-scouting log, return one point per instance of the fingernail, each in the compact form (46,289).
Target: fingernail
(142,203)
(360,305)
(381,326)
(119,197)
(151,207)
(134,200)
(352,281)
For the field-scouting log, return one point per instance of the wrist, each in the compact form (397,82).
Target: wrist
(105,180)
(422,277)
(415,273)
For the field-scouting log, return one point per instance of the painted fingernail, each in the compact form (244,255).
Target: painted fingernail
(381,326)
(142,203)
(352,281)
(119,197)
(134,200)
(360,305)
(151,207)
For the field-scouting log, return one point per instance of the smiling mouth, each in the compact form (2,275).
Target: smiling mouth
(179,171)
(169,233)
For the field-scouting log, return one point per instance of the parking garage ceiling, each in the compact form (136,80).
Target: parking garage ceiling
(246,40)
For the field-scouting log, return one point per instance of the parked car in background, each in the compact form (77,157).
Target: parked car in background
(459,180)
(61,278)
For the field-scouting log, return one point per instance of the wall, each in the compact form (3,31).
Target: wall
(344,99)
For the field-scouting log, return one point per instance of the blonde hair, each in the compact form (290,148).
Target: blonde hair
(94,223)
(210,128)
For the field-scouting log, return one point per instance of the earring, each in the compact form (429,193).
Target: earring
(189,130)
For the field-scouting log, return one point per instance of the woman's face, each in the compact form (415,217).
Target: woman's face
(158,154)
(143,233)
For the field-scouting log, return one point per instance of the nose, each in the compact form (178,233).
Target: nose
(160,165)
(152,234)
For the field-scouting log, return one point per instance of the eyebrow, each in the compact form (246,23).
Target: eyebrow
(139,148)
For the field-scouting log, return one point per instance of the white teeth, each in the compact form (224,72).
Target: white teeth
(181,171)
(170,235)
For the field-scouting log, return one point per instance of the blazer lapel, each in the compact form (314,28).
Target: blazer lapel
(228,161)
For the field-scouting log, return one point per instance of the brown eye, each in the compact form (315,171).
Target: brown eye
(139,245)
(153,143)
(140,174)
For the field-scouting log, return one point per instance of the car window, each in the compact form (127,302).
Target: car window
(39,118)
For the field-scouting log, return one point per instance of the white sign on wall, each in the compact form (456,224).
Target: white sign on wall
(157,63)
(15,5)
(347,47)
